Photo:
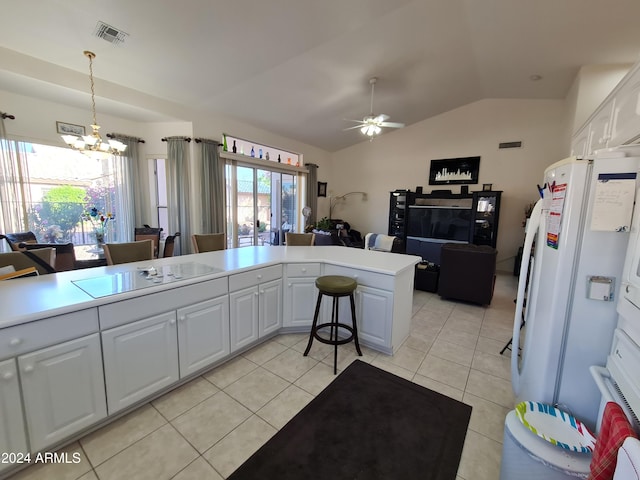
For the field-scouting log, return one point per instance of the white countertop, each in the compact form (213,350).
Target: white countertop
(27,299)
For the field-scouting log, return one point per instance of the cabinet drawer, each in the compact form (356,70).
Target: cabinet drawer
(254,277)
(303,270)
(126,311)
(31,336)
(363,277)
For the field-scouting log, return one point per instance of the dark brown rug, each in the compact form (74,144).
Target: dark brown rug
(367,424)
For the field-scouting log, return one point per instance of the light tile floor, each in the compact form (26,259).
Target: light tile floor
(208,427)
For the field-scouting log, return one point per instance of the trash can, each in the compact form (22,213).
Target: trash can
(525,456)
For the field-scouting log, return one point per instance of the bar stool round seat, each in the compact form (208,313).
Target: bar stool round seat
(335,286)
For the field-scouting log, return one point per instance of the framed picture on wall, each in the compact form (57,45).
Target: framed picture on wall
(454,171)
(64,128)
(322,189)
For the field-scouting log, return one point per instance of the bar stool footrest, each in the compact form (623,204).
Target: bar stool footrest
(340,341)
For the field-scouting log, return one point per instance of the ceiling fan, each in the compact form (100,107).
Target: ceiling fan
(372,125)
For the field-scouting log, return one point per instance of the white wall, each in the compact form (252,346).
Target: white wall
(400,159)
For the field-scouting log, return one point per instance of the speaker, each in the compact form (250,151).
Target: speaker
(418,190)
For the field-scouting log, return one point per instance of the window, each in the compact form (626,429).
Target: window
(262,197)
(49,189)
(265,152)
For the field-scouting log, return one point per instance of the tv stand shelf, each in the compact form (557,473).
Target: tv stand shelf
(425,222)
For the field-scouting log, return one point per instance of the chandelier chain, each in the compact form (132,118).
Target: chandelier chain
(93,91)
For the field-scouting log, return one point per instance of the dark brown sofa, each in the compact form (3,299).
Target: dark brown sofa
(467,272)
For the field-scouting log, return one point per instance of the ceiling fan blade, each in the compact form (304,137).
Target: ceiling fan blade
(351,128)
(381,118)
(350,120)
(392,124)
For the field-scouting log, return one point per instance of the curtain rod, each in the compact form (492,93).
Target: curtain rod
(8,115)
(186,139)
(115,135)
(206,140)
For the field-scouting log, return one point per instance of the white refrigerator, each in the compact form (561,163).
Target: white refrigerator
(575,245)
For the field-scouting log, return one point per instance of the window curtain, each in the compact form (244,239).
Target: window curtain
(312,192)
(127,174)
(15,192)
(178,190)
(213,188)
(139,208)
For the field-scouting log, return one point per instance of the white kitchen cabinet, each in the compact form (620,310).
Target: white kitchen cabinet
(255,305)
(269,307)
(243,326)
(581,142)
(374,308)
(254,313)
(203,334)
(63,389)
(626,113)
(140,358)
(600,128)
(300,294)
(12,433)
(300,297)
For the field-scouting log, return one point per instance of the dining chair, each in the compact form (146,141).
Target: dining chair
(300,239)
(14,239)
(42,259)
(117,253)
(149,233)
(209,242)
(65,259)
(169,244)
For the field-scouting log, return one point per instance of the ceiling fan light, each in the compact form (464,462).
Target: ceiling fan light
(377,130)
(364,130)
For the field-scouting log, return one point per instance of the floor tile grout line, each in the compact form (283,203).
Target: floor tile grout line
(131,444)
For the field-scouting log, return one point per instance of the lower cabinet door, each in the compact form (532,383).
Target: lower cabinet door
(300,296)
(270,307)
(12,432)
(203,334)
(140,358)
(243,317)
(63,388)
(374,312)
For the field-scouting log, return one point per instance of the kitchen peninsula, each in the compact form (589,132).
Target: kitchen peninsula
(79,348)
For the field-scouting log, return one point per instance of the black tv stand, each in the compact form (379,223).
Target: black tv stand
(426,221)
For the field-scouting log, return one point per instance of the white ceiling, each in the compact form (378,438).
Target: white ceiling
(300,67)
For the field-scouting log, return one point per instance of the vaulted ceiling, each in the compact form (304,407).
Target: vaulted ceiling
(300,67)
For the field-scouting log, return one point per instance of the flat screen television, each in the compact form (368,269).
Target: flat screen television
(442,223)
(454,171)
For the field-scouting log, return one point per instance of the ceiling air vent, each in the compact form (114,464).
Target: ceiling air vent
(110,34)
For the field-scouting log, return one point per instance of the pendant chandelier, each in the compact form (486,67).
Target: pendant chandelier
(92,145)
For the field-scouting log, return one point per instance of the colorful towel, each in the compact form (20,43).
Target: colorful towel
(614,430)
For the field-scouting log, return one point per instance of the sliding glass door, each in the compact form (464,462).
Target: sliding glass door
(261,205)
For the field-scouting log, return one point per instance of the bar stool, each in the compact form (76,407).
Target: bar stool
(335,286)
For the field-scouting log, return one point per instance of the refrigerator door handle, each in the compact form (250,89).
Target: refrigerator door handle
(526,269)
